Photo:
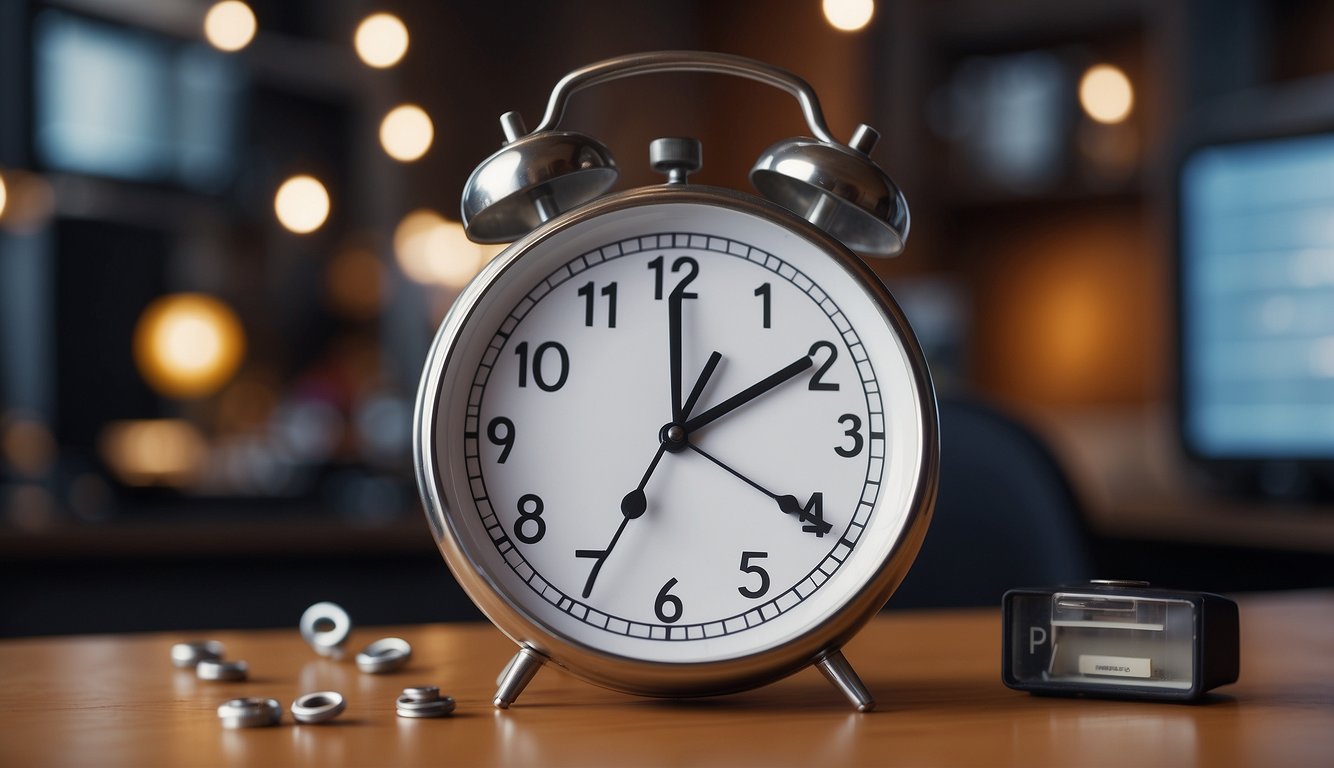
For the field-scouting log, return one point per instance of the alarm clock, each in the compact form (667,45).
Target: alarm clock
(678,440)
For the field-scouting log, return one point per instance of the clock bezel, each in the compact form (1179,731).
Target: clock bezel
(641,676)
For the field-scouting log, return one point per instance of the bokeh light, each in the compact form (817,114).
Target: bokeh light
(406,132)
(27,201)
(27,446)
(245,405)
(188,345)
(1106,94)
(381,40)
(433,250)
(230,25)
(302,204)
(354,284)
(849,15)
(167,452)
(30,508)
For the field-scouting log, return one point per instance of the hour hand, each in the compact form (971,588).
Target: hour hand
(749,393)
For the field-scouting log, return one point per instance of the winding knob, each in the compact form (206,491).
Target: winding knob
(676,157)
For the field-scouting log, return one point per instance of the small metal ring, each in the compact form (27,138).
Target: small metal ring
(318,707)
(438,708)
(421,693)
(326,642)
(187,655)
(250,713)
(218,669)
(384,655)
(404,702)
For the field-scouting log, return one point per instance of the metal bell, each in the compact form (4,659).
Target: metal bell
(838,189)
(531,179)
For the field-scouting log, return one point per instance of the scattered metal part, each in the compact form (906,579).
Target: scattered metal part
(187,655)
(421,693)
(384,655)
(218,669)
(325,627)
(424,701)
(250,713)
(318,707)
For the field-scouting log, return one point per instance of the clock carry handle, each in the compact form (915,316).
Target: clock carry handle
(661,62)
(540,174)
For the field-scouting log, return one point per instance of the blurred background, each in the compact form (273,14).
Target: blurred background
(228,233)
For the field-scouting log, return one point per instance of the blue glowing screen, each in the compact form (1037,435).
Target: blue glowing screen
(128,104)
(1257,291)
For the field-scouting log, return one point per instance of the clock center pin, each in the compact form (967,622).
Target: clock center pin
(674,437)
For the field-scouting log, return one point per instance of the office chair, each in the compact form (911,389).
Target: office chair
(1006,515)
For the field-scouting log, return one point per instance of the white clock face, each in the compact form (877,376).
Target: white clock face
(677,432)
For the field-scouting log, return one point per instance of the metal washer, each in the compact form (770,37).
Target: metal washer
(187,655)
(250,713)
(218,669)
(326,642)
(384,655)
(421,693)
(419,709)
(424,701)
(318,707)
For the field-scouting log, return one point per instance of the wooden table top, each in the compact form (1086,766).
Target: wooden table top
(116,700)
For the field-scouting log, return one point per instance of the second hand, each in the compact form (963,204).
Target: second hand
(635,503)
(812,514)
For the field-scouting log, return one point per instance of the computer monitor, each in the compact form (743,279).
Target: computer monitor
(1256,308)
(131,104)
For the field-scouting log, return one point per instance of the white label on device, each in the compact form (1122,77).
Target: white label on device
(1117,666)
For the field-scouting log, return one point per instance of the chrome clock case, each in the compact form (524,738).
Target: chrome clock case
(548,182)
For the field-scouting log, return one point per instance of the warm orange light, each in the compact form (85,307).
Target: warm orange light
(1105,94)
(153,452)
(247,403)
(27,445)
(26,201)
(381,40)
(302,204)
(433,250)
(406,132)
(849,15)
(1070,317)
(355,283)
(188,345)
(230,25)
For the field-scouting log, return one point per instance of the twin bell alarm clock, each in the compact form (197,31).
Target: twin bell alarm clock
(678,440)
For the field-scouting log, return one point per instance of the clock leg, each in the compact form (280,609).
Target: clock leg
(836,668)
(516,676)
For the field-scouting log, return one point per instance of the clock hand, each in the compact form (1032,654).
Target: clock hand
(812,514)
(635,503)
(698,390)
(674,343)
(748,394)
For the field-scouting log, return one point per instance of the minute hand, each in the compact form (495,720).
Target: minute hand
(748,394)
